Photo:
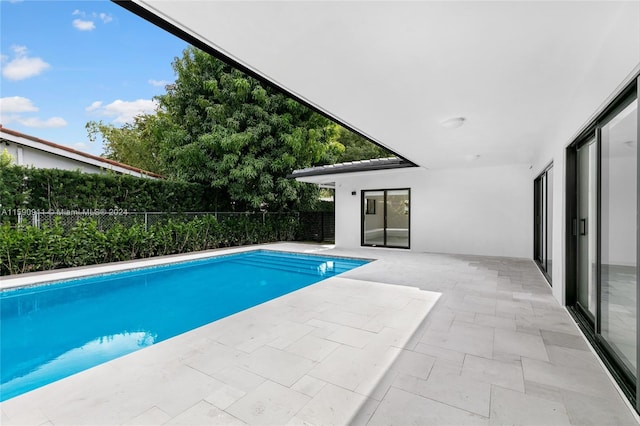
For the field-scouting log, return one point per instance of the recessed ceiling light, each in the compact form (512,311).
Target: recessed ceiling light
(453,122)
(472,157)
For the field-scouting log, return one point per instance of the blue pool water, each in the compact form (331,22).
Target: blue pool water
(52,331)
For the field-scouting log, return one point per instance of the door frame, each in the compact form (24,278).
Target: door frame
(384,205)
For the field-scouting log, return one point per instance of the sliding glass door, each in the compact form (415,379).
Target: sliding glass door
(543,217)
(602,236)
(385,218)
(618,245)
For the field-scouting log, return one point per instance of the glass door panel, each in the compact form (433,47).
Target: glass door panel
(586,228)
(398,218)
(373,223)
(618,271)
(549,220)
(385,218)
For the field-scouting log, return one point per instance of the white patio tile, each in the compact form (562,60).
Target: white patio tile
(348,367)
(507,374)
(153,416)
(204,413)
(289,332)
(405,408)
(461,337)
(279,366)
(588,410)
(239,378)
(447,386)
(496,321)
(575,358)
(448,355)
(308,385)
(313,348)
(509,407)
(567,378)
(510,344)
(333,405)
(268,404)
(224,396)
(352,336)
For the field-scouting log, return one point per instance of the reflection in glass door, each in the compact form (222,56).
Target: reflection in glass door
(385,218)
(585,228)
(618,270)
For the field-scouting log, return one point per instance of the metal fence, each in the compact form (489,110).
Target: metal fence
(106,220)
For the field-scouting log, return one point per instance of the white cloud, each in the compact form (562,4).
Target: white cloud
(22,66)
(14,104)
(158,83)
(37,122)
(123,111)
(105,17)
(94,106)
(88,21)
(13,107)
(83,25)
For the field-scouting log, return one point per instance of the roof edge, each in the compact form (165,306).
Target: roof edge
(81,153)
(353,167)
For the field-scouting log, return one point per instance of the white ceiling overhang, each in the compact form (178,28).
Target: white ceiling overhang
(523,74)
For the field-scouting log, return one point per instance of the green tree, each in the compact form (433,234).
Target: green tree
(228,130)
(133,143)
(6,159)
(357,147)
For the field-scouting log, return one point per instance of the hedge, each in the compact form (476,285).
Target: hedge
(53,189)
(25,248)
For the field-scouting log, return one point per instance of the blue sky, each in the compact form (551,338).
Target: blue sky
(65,63)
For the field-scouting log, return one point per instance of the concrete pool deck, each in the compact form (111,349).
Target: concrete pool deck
(412,338)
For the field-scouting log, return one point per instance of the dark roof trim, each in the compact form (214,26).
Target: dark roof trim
(353,167)
(144,13)
(75,151)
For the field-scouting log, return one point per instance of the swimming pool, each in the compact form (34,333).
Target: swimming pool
(54,330)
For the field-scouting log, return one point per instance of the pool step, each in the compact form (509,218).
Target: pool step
(336,265)
(303,268)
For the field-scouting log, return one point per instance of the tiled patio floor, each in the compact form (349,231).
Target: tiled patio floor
(409,339)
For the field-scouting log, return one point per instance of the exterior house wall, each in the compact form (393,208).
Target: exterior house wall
(31,151)
(483,212)
(27,156)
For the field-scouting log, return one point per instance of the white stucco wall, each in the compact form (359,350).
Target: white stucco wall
(45,160)
(483,211)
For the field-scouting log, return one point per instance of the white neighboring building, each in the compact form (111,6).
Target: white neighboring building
(28,150)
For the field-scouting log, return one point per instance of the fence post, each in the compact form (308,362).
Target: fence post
(35,220)
(146,219)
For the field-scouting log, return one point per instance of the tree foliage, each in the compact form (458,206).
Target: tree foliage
(219,127)
(130,144)
(357,147)
(228,130)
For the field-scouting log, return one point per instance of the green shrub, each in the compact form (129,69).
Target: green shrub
(53,189)
(24,248)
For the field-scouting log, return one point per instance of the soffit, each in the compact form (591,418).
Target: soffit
(523,74)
